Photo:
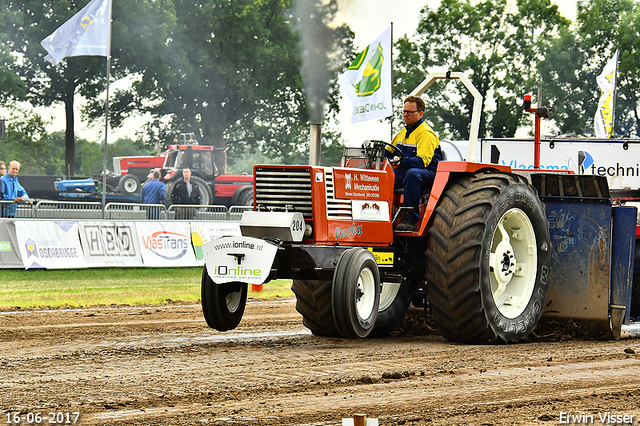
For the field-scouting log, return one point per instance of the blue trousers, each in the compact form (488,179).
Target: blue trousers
(414,181)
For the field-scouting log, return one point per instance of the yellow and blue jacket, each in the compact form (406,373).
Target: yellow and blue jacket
(420,146)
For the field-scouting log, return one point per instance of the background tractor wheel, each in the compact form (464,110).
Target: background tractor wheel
(129,184)
(488,256)
(355,293)
(395,299)
(222,304)
(313,302)
(246,198)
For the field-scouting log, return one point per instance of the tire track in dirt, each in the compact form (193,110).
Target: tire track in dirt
(164,366)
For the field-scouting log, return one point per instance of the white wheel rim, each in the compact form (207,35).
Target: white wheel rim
(232,300)
(513,263)
(365,293)
(388,294)
(130,185)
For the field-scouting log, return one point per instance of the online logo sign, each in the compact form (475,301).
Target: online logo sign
(167,245)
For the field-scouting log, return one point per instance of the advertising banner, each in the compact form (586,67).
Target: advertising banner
(107,244)
(165,244)
(9,252)
(617,160)
(50,245)
(244,259)
(362,184)
(205,232)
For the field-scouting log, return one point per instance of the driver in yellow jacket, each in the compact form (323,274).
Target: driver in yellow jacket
(421,153)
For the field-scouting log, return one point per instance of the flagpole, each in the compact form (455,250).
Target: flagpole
(106,116)
(615,92)
(391,120)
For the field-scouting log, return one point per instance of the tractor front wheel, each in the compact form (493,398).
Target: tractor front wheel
(355,293)
(222,304)
(488,257)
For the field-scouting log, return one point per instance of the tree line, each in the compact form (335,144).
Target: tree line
(249,74)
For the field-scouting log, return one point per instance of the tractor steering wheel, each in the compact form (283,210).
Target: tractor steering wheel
(377,149)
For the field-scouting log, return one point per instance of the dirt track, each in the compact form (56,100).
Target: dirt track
(162,365)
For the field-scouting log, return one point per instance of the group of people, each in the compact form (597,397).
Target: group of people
(153,192)
(183,192)
(11,190)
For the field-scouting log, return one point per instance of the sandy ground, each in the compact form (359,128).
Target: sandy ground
(163,365)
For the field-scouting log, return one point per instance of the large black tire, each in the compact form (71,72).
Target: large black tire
(355,293)
(205,190)
(395,299)
(313,302)
(222,304)
(245,198)
(129,184)
(489,229)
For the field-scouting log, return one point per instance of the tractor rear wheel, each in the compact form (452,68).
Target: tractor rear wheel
(129,184)
(313,302)
(246,198)
(488,256)
(355,293)
(222,304)
(395,299)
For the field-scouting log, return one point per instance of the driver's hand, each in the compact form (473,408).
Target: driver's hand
(396,159)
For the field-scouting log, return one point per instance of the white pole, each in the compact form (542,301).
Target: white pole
(106,117)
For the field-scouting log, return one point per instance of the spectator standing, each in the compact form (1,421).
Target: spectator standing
(185,192)
(3,171)
(12,190)
(153,193)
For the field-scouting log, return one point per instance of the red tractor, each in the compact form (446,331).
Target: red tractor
(494,250)
(229,190)
(215,188)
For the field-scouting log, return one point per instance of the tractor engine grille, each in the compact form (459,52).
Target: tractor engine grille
(336,209)
(280,189)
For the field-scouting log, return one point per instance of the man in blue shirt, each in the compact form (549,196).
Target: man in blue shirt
(153,193)
(12,190)
(3,171)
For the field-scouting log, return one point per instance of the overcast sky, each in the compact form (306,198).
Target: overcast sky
(367,18)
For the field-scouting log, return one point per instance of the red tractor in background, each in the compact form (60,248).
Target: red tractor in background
(215,188)
(494,249)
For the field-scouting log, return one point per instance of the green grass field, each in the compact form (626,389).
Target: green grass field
(119,286)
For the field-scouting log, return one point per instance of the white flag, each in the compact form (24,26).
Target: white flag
(86,34)
(367,81)
(603,120)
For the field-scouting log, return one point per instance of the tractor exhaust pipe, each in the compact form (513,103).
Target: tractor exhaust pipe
(315,145)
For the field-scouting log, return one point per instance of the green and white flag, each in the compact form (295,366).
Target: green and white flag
(367,81)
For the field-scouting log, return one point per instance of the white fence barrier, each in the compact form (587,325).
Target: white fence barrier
(72,235)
